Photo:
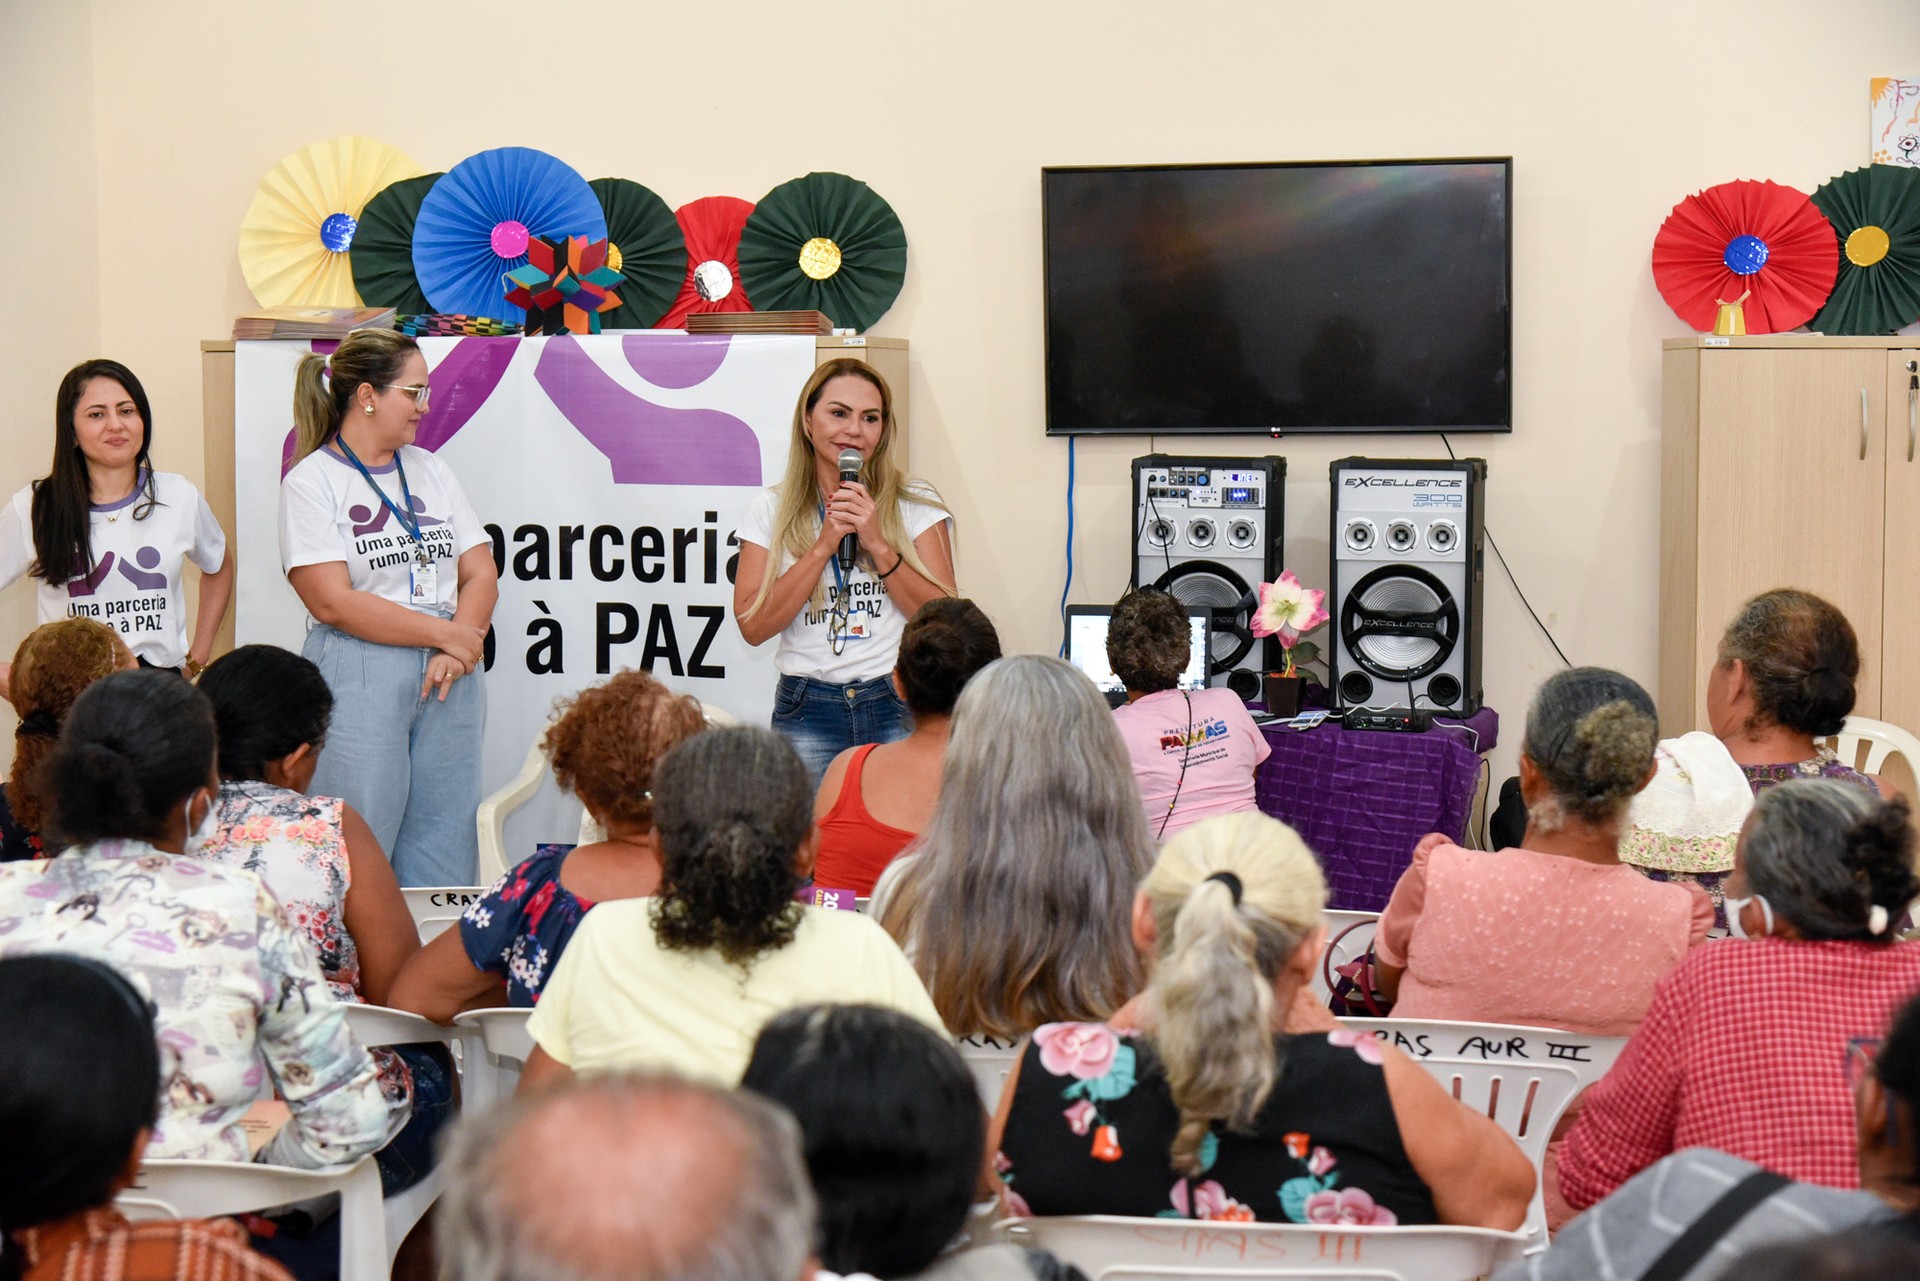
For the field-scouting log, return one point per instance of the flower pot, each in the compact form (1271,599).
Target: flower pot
(1282,693)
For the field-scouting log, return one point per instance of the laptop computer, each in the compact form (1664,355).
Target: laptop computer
(1087,649)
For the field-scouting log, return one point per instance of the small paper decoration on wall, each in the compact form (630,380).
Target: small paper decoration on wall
(828,243)
(564,285)
(382,257)
(1760,238)
(1895,119)
(711,227)
(476,223)
(1875,214)
(297,235)
(646,248)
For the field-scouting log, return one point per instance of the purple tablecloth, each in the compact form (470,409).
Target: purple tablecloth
(1362,799)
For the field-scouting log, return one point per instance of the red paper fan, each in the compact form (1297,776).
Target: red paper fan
(1746,236)
(712,227)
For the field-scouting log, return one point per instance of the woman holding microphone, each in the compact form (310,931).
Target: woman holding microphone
(839,619)
(380,543)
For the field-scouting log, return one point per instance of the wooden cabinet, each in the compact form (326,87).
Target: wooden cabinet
(1790,461)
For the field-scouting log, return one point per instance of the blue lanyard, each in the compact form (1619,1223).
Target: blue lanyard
(839,579)
(408,520)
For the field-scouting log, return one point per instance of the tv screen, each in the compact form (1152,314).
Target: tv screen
(1360,296)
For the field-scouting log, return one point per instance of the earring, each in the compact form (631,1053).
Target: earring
(368,409)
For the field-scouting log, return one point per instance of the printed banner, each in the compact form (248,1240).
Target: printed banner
(611,471)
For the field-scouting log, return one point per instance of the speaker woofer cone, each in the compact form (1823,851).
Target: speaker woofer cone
(1207,585)
(1399,623)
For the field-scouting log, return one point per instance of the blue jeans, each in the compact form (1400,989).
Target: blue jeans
(822,719)
(410,765)
(409,1155)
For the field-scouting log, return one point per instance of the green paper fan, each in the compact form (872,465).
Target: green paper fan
(828,243)
(652,252)
(382,255)
(1875,212)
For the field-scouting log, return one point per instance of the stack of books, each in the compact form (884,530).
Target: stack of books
(310,322)
(759,322)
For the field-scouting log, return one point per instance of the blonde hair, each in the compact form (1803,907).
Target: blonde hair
(1212,981)
(323,386)
(1039,830)
(796,514)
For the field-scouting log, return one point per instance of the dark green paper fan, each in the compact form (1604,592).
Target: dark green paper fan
(653,252)
(382,256)
(1875,212)
(828,243)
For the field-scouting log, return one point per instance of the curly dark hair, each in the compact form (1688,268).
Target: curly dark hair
(731,810)
(1825,853)
(53,664)
(1802,660)
(1147,641)
(943,645)
(608,740)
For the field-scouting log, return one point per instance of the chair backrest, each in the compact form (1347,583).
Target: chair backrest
(436,908)
(496,1047)
(1107,1247)
(1589,1057)
(1866,744)
(1349,934)
(990,1062)
(374,1025)
(211,1189)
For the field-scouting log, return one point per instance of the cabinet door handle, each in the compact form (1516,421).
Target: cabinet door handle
(1863,424)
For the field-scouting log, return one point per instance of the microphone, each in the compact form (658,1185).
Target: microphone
(850,461)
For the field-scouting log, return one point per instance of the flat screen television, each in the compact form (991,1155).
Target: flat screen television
(1278,299)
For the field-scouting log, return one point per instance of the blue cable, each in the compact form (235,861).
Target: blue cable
(1068,586)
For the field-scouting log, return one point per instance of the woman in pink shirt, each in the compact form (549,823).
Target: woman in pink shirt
(1559,933)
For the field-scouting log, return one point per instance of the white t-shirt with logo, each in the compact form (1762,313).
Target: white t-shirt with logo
(328,512)
(874,622)
(134,583)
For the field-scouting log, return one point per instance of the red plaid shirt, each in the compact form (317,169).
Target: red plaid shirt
(101,1245)
(1744,1050)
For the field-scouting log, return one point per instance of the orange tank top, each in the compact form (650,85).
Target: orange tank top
(855,847)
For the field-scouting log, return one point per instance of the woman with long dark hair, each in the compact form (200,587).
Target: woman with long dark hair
(107,537)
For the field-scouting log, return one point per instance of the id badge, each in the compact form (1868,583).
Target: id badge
(426,584)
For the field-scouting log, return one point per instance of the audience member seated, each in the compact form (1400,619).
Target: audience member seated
(1742,1046)
(685,980)
(603,749)
(1623,1235)
(876,798)
(1193,753)
(239,997)
(1037,836)
(321,861)
(1193,1103)
(53,664)
(628,1178)
(893,1130)
(1558,933)
(80,1097)
(1857,1256)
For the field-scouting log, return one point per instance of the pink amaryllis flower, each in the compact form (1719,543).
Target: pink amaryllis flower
(1287,609)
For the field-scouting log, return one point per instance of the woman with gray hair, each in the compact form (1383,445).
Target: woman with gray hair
(1038,837)
(1743,1047)
(1558,932)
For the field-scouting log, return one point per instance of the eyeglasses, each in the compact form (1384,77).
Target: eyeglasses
(1861,1053)
(419,391)
(837,625)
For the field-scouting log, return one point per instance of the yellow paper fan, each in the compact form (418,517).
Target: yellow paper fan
(298,232)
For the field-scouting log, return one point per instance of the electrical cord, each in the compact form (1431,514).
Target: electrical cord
(1067,587)
(1501,557)
(1186,753)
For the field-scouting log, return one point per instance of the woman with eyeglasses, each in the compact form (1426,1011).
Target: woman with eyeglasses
(378,539)
(107,537)
(839,622)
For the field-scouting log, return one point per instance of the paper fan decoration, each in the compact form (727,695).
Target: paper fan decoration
(295,239)
(711,280)
(1745,236)
(475,223)
(1875,214)
(825,242)
(647,249)
(383,247)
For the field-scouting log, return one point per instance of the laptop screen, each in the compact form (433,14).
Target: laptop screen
(1087,647)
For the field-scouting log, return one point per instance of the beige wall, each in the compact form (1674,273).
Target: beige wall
(1612,111)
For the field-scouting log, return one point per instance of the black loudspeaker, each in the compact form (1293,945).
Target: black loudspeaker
(1406,553)
(1208,531)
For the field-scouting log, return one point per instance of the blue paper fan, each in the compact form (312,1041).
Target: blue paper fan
(474,225)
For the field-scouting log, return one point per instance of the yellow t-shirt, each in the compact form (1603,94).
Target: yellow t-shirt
(620,1000)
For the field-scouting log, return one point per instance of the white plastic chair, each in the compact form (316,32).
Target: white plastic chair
(497,1048)
(1342,945)
(1879,741)
(376,1025)
(491,817)
(1589,1057)
(991,1063)
(436,908)
(1107,1246)
(212,1189)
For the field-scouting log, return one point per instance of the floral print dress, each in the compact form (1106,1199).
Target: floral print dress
(521,925)
(1093,1121)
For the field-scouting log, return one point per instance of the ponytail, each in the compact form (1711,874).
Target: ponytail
(323,386)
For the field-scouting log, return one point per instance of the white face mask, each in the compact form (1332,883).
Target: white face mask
(197,836)
(1735,906)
